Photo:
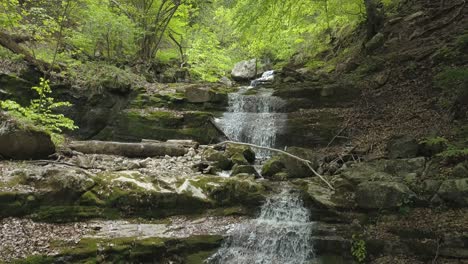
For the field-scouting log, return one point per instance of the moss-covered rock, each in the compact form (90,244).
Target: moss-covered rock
(233,191)
(455,192)
(239,159)
(272,167)
(244,169)
(218,158)
(246,151)
(383,195)
(132,250)
(296,168)
(137,124)
(23,142)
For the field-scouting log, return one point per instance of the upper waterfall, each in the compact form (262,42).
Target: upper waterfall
(254,119)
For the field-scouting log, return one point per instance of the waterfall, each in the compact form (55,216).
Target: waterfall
(254,119)
(267,77)
(280,235)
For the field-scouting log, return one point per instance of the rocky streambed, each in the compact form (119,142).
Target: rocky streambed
(107,208)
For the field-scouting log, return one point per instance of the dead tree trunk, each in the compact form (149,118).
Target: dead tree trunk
(375,17)
(8,41)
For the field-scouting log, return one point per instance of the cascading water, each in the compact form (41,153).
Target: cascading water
(254,119)
(280,235)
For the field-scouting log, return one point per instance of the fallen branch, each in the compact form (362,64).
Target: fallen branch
(306,162)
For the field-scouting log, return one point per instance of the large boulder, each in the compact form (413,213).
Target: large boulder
(218,159)
(455,191)
(376,42)
(246,151)
(23,143)
(244,169)
(403,146)
(296,168)
(244,70)
(383,195)
(272,167)
(384,170)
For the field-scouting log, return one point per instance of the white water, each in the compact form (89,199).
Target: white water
(254,119)
(267,77)
(280,235)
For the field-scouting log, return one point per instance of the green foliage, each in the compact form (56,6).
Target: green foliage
(434,141)
(208,61)
(461,42)
(40,112)
(358,249)
(97,76)
(454,154)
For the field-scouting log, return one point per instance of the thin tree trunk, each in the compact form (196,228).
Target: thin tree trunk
(375,17)
(8,42)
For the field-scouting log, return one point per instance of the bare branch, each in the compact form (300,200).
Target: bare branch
(306,162)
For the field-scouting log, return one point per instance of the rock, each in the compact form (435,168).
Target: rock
(248,169)
(239,159)
(433,146)
(67,181)
(403,146)
(198,94)
(460,171)
(226,81)
(246,151)
(280,176)
(414,16)
(384,170)
(455,192)
(289,79)
(244,70)
(376,42)
(296,168)
(382,195)
(272,167)
(23,143)
(218,158)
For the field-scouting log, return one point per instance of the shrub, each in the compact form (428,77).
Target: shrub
(358,249)
(40,112)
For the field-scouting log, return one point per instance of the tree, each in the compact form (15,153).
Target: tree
(375,17)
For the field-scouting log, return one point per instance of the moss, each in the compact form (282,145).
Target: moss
(90,198)
(239,159)
(199,258)
(61,214)
(272,167)
(132,250)
(39,259)
(247,152)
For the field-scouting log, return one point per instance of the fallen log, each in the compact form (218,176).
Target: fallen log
(180,142)
(130,150)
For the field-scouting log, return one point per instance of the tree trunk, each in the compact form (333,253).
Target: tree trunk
(8,41)
(375,17)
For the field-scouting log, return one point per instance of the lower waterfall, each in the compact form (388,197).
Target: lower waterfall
(280,235)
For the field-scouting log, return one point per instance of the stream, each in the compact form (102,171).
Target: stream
(281,234)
